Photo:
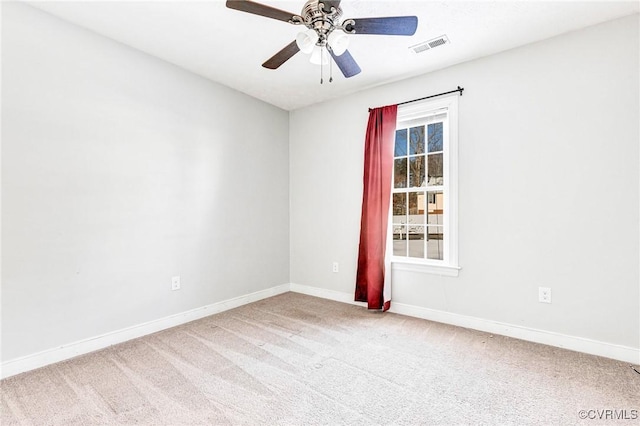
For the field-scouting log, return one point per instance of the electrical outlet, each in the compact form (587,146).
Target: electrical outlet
(336,267)
(175,283)
(544,295)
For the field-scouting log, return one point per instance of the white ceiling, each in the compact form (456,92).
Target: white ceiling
(228,46)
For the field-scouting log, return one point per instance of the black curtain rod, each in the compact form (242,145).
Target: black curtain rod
(459,89)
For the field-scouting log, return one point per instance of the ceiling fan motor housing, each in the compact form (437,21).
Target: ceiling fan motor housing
(321,22)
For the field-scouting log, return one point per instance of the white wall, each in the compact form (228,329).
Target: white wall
(548,187)
(119,171)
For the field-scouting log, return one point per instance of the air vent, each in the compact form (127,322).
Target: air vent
(430,44)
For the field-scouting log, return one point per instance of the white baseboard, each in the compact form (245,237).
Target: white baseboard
(323,293)
(64,352)
(579,344)
(50,356)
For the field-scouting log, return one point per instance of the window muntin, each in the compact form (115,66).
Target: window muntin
(423,219)
(417,193)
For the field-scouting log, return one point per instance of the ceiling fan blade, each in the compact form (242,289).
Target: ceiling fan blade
(330,3)
(282,56)
(346,63)
(392,25)
(260,9)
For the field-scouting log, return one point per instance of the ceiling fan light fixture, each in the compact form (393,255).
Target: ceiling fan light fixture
(338,41)
(319,56)
(306,40)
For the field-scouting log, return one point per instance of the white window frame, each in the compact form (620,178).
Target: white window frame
(449,265)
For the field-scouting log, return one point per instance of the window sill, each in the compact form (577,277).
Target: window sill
(425,268)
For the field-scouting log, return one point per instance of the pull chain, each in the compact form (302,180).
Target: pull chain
(330,69)
(321,61)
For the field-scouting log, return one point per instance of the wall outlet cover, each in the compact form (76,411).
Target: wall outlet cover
(544,295)
(175,283)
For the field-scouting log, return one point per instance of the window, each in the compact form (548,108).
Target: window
(423,214)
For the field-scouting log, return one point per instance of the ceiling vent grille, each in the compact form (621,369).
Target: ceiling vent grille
(430,44)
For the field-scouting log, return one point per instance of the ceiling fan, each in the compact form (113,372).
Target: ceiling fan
(326,34)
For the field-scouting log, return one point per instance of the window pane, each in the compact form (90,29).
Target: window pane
(400,173)
(435,207)
(416,171)
(416,241)
(399,208)
(416,226)
(416,206)
(435,169)
(416,140)
(399,240)
(401,143)
(435,243)
(435,137)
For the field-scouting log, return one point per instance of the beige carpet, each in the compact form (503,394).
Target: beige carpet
(295,359)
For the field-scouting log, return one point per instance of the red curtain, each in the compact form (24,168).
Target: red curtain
(378,167)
